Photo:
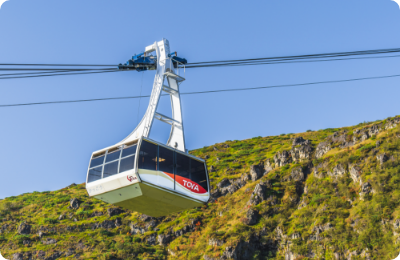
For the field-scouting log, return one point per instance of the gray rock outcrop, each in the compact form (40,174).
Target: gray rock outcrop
(118,222)
(49,241)
(145,218)
(273,200)
(396,224)
(225,187)
(229,186)
(282,158)
(289,255)
(188,228)
(280,234)
(224,183)
(320,170)
(392,123)
(301,150)
(215,242)
(258,195)
(366,189)
(206,257)
(151,225)
(256,172)
(18,256)
(251,217)
(355,173)
(96,214)
(337,171)
(114,211)
(74,203)
(70,251)
(364,135)
(136,229)
(365,254)
(298,174)
(41,234)
(243,250)
(298,141)
(24,229)
(317,230)
(163,240)
(267,167)
(107,224)
(382,158)
(305,190)
(322,148)
(152,239)
(336,137)
(374,130)
(302,204)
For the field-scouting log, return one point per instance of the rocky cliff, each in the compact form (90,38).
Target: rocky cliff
(327,194)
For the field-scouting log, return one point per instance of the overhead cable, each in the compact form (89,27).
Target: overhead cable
(33,73)
(280,62)
(50,69)
(60,74)
(307,56)
(50,72)
(203,92)
(56,65)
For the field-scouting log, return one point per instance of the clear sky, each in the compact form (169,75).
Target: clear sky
(48,147)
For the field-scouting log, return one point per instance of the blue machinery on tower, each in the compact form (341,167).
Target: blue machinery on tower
(142,62)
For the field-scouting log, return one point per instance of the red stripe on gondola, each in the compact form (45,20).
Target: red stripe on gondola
(188,184)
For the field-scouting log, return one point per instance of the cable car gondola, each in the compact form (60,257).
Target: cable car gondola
(141,174)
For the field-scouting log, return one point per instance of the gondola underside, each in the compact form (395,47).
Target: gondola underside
(148,199)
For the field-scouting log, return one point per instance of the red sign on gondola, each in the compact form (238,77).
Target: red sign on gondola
(131,178)
(188,184)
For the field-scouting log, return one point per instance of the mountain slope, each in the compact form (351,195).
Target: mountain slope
(327,194)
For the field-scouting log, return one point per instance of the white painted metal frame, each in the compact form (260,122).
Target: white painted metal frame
(165,70)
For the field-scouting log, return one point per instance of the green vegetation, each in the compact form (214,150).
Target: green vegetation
(351,209)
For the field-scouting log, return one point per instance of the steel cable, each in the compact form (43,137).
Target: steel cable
(61,74)
(205,92)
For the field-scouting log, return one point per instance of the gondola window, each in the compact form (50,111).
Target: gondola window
(166,160)
(148,156)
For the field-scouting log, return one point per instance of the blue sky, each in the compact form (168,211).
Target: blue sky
(48,147)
